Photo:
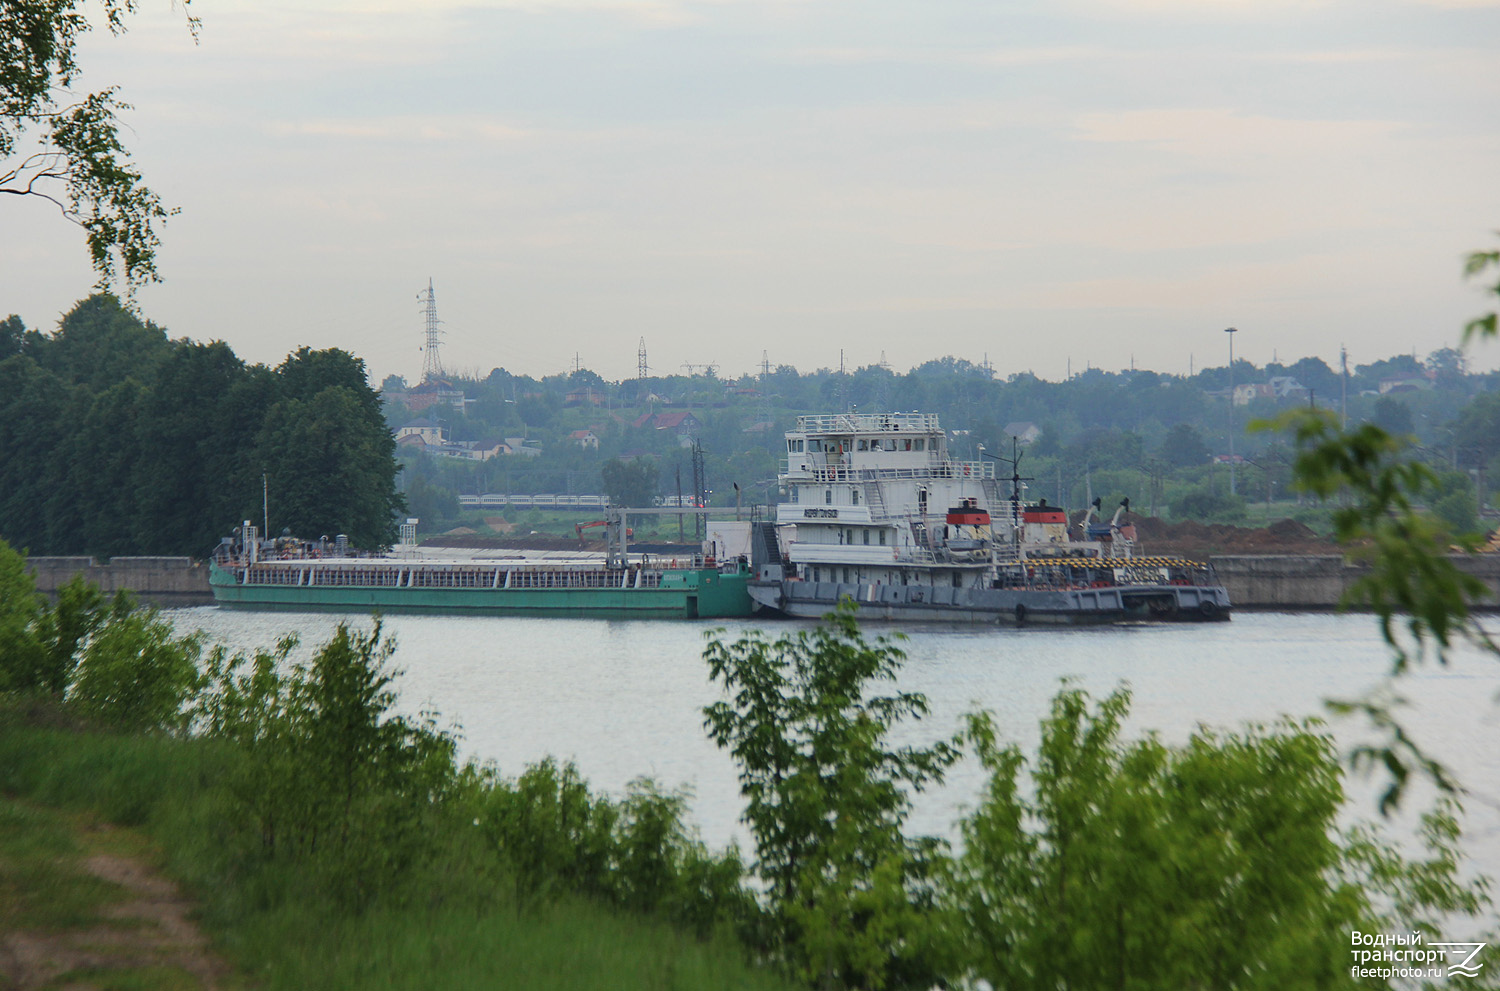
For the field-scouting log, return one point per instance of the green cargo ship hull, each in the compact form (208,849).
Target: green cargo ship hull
(703,593)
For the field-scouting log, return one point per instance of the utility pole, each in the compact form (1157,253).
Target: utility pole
(641,368)
(1343,388)
(1231,331)
(679,502)
(700,493)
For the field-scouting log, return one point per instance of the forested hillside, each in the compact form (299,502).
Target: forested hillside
(115,439)
(1162,440)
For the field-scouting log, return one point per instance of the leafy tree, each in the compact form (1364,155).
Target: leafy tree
(12,334)
(1447,365)
(630,483)
(1203,504)
(134,673)
(1476,431)
(329,777)
(1393,416)
(21,662)
(108,661)
(81,164)
(32,405)
(827,796)
(1184,447)
(1217,864)
(1315,374)
(1478,266)
(430,502)
(330,467)
(1410,578)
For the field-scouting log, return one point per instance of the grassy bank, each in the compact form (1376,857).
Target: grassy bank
(456,920)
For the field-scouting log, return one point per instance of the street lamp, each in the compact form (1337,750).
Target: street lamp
(1231,331)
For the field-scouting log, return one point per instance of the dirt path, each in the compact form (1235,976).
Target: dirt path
(138,932)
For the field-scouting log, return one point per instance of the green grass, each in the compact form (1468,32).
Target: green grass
(135,979)
(453,924)
(43,885)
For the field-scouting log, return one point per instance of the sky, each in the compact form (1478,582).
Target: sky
(1041,185)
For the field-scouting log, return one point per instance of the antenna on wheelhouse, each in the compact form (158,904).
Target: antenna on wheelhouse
(1016,454)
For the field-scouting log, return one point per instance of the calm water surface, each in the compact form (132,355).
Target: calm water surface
(624,699)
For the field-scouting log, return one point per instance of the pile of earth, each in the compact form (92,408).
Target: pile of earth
(1192,539)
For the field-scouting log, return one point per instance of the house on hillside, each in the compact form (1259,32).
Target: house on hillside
(586,439)
(587,396)
(1410,383)
(682,422)
(1278,387)
(422,431)
(433,392)
(517,446)
(1246,393)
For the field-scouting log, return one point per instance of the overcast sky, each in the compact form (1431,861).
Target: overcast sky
(1035,182)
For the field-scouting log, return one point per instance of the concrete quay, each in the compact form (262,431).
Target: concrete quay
(1298,581)
(164,580)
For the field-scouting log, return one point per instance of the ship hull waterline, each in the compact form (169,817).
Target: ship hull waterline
(1011,607)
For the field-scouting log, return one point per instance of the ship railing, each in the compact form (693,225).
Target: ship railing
(867,422)
(941,469)
(468,576)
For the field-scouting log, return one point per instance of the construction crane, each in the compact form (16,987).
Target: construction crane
(578,528)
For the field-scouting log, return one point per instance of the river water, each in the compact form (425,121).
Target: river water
(624,698)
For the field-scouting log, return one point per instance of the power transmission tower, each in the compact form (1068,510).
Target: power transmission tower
(642,370)
(432,367)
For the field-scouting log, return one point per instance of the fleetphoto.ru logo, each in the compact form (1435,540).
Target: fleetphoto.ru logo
(1410,955)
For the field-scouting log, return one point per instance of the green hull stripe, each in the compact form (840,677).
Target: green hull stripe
(705,594)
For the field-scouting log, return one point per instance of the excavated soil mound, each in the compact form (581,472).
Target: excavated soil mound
(1192,539)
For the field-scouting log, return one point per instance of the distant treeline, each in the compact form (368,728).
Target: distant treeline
(116,440)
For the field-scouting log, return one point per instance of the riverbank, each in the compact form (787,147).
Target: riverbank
(71,796)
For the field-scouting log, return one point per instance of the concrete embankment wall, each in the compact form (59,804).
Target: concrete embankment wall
(156,578)
(1286,581)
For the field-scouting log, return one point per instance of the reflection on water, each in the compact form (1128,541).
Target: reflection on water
(624,698)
